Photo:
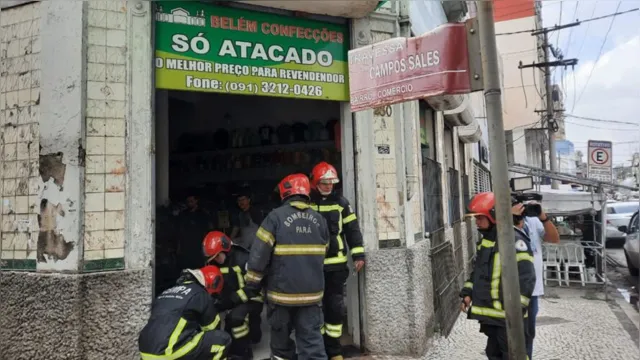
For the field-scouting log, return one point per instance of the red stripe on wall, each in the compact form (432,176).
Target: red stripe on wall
(504,10)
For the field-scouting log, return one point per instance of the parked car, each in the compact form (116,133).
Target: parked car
(632,244)
(619,213)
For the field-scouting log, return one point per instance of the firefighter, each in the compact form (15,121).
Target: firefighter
(243,321)
(289,252)
(184,322)
(482,296)
(343,225)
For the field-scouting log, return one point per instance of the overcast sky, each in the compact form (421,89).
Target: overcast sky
(613,90)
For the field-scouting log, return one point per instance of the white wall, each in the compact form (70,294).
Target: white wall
(518,84)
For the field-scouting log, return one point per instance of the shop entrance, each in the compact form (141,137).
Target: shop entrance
(223,151)
(246,96)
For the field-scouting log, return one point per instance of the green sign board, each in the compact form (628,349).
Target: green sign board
(202,47)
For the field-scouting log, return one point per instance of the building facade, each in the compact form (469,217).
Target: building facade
(524,89)
(85,152)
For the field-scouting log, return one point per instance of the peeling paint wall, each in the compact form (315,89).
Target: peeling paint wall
(20,183)
(61,158)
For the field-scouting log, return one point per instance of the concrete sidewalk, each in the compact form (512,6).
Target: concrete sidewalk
(572,324)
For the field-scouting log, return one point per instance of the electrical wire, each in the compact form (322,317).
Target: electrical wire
(553,28)
(597,127)
(602,120)
(587,31)
(534,124)
(526,102)
(606,36)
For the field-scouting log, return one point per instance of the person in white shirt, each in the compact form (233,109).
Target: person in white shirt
(538,229)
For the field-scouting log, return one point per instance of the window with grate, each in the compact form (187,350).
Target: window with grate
(432,188)
(481,178)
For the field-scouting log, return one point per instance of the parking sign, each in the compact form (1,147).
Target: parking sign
(600,160)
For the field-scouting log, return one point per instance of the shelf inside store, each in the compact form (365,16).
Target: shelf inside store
(256,149)
(203,177)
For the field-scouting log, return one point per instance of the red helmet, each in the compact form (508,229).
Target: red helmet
(210,277)
(295,184)
(324,173)
(483,204)
(214,243)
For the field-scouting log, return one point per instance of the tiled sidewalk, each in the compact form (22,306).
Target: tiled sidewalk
(572,324)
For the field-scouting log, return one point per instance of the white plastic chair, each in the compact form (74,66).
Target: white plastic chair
(574,258)
(551,256)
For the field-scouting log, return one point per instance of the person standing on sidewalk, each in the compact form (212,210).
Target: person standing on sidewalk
(342,225)
(482,295)
(288,255)
(538,229)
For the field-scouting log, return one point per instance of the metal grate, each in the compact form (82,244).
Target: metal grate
(454,196)
(481,178)
(446,282)
(458,243)
(471,244)
(432,186)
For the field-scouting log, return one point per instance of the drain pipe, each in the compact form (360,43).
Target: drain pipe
(411,162)
(410,116)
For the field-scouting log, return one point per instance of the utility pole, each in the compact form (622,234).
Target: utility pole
(500,179)
(553,162)
(550,111)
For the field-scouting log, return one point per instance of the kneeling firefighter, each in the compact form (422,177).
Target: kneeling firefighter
(289,253)
(482,295)
(184,321)
(343,225)
(243,321)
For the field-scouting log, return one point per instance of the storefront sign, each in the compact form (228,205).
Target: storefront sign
(403,69)
(202,47)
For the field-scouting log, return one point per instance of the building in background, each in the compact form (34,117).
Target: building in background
(523,90)
(566,157)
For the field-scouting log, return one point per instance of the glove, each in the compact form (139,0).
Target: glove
(224,305)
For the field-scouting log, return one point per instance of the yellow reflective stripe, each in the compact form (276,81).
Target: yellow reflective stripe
(213,324)
(218,350)
(524,300)
(338,259)
(357,250)
(265,236)
(333,330)
(239,275)
(497,304)
(327,208)
(224,270)
(495,277)
(484,311)
(523,256)
(468,285)
(283,250)
(175,335)
(300,205)
(295,299)
(486,243)
(240,331)
(242,295)
(252,276)
(349,219)
(259,297)
(187,348)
